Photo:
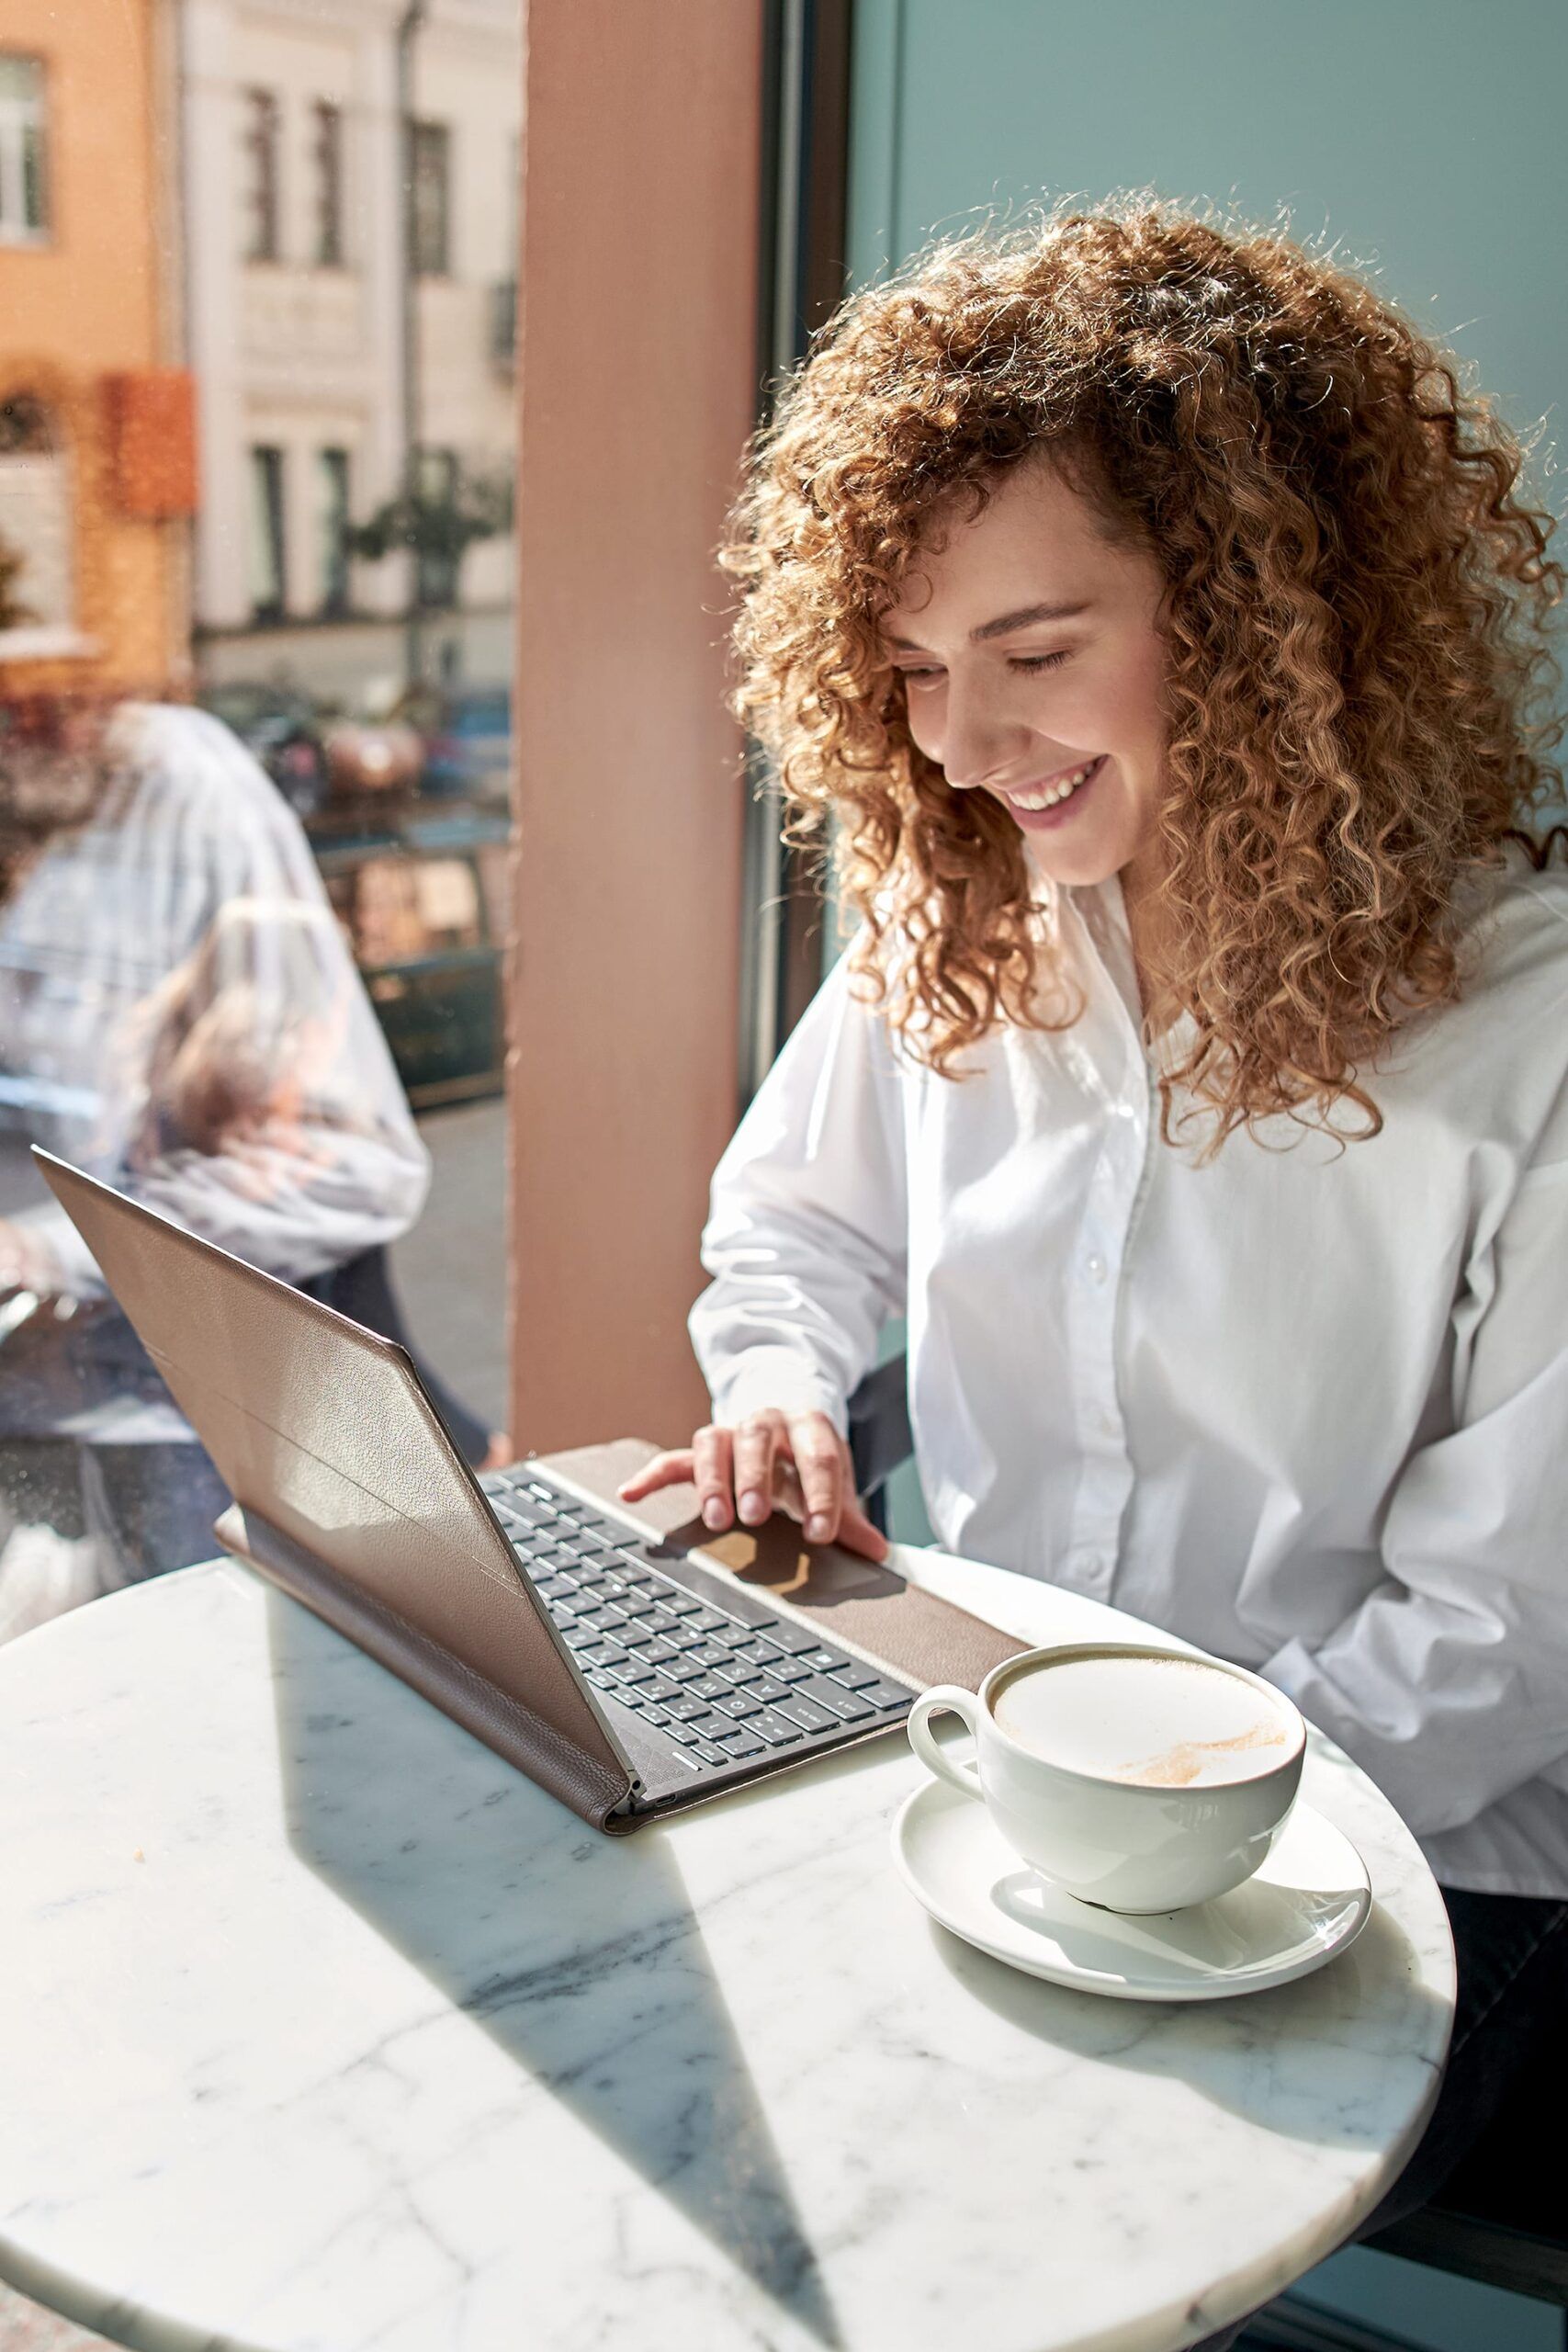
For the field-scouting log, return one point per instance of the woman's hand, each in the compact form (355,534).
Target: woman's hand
(26,1262)
(794,1462)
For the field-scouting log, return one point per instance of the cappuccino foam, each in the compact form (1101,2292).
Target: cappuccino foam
(1165,1723)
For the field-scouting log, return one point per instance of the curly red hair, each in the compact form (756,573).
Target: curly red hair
(1355,612)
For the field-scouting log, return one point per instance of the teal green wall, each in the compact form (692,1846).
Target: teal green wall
(1424,136)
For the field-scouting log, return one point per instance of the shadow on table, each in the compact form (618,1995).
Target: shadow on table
(578,1954)
(1225,2048)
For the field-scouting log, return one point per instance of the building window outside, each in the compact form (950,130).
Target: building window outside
(267,542)
(262,208)
(37,597)
(327,158)
(430,200)
(332,491)
(436,567)
(24,172)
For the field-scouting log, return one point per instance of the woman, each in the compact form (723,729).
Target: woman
(1164,632)
(179,1013)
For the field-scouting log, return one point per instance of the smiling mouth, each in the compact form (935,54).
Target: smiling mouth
(1060,788)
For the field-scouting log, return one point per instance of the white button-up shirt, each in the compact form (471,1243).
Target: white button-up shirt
(1306,1405)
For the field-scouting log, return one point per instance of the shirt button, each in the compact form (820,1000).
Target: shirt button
(1097,1267)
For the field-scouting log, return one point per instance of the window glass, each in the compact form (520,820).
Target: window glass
(430,149)
(260,182)
(333,481)
(268,575)
(23,194)
(254,710)
(327,158)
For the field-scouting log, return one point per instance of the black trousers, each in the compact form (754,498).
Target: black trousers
(1510,2024)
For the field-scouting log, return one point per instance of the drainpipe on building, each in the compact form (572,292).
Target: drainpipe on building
(408,25)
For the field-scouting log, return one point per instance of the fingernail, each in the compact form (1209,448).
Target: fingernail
(753,1509)
(818,1527)
(714,1512)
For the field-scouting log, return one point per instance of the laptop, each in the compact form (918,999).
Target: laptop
(611,1665)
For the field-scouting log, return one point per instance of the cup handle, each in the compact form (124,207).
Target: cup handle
(947,1698)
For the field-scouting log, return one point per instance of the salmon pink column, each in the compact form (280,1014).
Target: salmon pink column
(636,385)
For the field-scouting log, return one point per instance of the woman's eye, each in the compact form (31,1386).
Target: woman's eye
(1039,660)
(919,677)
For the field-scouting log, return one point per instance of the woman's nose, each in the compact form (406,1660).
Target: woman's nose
(980,741)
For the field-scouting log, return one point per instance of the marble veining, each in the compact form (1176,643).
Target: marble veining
(323,2031)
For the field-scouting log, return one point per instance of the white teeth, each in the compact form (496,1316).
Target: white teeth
(1058,791)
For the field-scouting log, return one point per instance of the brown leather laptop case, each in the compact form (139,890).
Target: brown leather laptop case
(351,1495)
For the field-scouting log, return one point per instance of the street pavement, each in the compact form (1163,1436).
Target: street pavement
(450,1274)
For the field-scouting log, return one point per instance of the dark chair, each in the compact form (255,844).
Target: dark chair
(1500,2218)
(880,1436)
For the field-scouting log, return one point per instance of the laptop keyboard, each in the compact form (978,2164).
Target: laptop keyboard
(722,1689)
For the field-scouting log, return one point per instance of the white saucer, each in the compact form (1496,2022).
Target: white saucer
(1309,1900)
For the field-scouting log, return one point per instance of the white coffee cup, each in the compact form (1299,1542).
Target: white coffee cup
(1125,1843)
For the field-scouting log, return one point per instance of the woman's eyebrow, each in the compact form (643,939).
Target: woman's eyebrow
(1026,617)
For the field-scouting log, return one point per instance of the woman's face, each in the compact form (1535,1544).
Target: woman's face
(1030,653)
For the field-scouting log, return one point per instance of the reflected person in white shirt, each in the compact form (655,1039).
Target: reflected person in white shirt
(1165,634)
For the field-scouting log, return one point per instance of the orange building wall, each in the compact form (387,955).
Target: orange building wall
(86,306)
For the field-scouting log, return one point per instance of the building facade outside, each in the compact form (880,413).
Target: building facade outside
(98,475)
(310,213)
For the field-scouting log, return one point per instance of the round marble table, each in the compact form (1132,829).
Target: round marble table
(321,2030)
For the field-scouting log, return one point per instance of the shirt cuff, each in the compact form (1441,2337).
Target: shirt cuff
(760,1377)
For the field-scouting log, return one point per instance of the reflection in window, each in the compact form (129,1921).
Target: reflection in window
(429,199)
(332,492)
(24,186)
(327,159)
(261,176)
(266,546)
(397,909)
(36,568)
(437,560)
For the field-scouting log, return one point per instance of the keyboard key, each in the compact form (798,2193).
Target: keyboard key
(849,1706)
(791,1637)
(736,1703)
(735,1638)
(855,1676)
(652,1714)
(708,1686)
(757,1652)
(657,1652)
(635,1670)
(707,1621)
(688,1710)
(707,1751)
(794,1669)
(887,1694)
(768,1688)
(661,1690)
(685,1669)
(806,1713)
(712,1654)
(740,1741)
(637,1632)
(681,1602)
(772,1727)
(662,1621)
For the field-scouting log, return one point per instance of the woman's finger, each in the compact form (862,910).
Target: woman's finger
(664,1470)
(713,1458)
(821,1462)
(756,1444)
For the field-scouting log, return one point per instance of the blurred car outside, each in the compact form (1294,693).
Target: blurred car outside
(283,728)
(468,739)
